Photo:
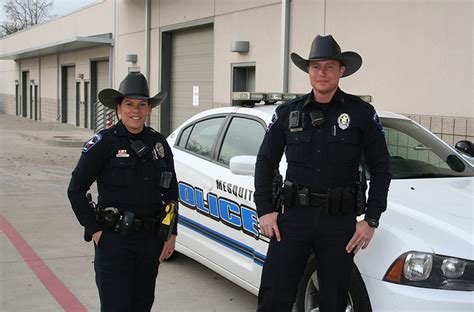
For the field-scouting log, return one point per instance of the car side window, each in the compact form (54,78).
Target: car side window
(243,137)
(184,137)
(412,158)
(202,136)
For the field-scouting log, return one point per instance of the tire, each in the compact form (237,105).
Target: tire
(307,299)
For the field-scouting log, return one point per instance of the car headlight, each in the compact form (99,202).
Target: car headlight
(430,270)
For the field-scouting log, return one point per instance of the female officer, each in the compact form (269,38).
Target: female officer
(133,167)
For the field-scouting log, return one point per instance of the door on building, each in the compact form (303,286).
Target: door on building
(25,93)
(243,78)
(17,98)
(79,110)
(86,104)
(99,80)
(68,95)
(191,74)
(36,102)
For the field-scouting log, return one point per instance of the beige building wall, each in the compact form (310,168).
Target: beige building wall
(8,75)
(418,55)
(180,11)
(95,19)
(264,45)
(49,88)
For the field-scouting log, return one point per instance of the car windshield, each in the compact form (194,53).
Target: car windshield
(417,153)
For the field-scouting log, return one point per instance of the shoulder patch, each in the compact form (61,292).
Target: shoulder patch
(377,122)
(91,143)
(272,122)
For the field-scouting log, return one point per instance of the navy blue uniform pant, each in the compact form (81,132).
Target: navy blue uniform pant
(303,230)
(126,268)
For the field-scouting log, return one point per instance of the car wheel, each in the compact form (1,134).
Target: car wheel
(307,299)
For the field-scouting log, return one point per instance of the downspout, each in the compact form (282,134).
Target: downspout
(325,11)
(39,90)
(20,90)
(285,29)
(147,46)
(111,62)
(58,92)
(109,114)
(112,65)
(147,39)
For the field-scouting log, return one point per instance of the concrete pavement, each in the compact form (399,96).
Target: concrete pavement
(44,264)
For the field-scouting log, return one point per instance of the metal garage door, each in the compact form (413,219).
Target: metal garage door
(102,75)
(99,81)
(25,93)
(191,73)
(71,94)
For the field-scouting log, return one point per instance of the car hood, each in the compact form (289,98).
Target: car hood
(438,211)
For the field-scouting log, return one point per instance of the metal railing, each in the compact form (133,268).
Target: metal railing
(104,117)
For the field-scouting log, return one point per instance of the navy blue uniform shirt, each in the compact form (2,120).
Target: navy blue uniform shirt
(325,156)
(124,180)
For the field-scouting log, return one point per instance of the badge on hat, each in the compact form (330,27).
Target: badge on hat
(159,149)
(344,120)
(93,141)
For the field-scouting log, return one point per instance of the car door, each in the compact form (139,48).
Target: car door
(242,136)
(193,153)
(218,220)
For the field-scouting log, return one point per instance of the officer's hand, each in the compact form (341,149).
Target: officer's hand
(362,236)
(96,237)
(269,226)
(168,248)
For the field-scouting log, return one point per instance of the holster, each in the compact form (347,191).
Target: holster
(87,236)
(277,200)
(169,221)
(289,191)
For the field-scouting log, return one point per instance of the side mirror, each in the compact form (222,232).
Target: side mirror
(243,165)
(465,147)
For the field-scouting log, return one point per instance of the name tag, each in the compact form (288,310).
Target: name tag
(122,153)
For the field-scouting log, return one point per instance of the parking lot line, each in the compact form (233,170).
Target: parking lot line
(54,285)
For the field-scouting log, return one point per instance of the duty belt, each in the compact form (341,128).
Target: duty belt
(113,219)
(337,201)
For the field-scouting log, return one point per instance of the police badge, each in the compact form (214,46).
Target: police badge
(160,150)
(344,121)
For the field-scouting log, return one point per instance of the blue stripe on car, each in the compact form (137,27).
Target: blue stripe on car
(226,241)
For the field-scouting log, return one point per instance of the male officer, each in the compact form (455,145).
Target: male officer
(324,135)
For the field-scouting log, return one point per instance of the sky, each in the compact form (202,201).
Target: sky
(60,7)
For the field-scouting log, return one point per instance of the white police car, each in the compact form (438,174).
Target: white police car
(421,256)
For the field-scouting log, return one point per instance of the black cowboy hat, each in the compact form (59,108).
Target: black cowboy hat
(326,48)
(133,86)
